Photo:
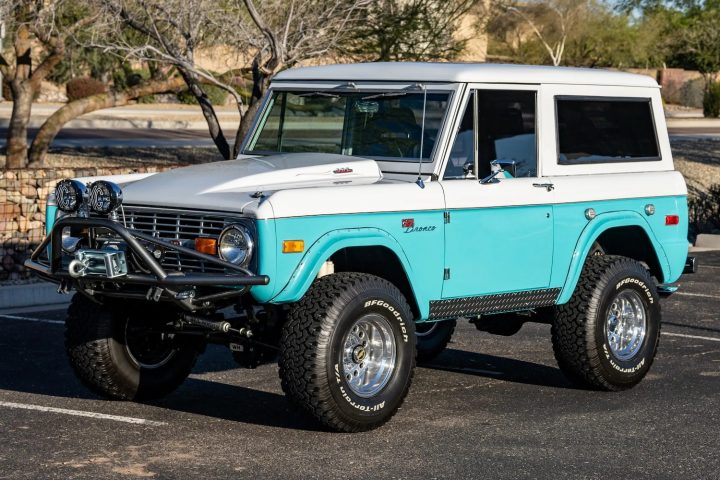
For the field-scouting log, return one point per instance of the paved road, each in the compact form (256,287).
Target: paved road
(489,407)
(164,138)
(125,137)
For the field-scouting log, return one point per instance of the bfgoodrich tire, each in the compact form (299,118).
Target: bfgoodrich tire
(115,354)
(432,338)
(347,351)
(607,335)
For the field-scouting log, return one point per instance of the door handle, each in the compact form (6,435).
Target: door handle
(548,186)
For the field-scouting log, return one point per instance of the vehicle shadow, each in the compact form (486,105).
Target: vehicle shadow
(31,361)
(499,368)
(235,403)
(38,365)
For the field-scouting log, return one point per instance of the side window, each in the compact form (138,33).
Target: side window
(506,130)
(463,149)
(605,130)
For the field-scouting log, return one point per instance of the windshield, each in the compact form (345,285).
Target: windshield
(383,125)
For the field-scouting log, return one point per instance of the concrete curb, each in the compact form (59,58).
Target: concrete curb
(16,296)
(706,242)
(693,122)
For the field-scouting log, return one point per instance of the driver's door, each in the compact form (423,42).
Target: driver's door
(499,234)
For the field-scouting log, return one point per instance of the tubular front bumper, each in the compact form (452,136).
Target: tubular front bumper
(235,277)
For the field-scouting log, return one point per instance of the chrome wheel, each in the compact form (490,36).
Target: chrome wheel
(369,355)
(626,324)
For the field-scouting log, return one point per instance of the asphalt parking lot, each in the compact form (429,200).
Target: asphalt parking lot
(488,407)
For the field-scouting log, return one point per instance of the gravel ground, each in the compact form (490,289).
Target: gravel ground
(698,159)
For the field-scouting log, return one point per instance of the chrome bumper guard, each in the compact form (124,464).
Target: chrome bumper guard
(97,260)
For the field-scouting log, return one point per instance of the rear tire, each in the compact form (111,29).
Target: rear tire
(114,354)
(432,338)
(606,337)
(347,351)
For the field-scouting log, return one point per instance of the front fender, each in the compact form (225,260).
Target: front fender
(331,242)
(590,234)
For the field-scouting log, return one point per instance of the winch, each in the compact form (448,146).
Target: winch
(107,263)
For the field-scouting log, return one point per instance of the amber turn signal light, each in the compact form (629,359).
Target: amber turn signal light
(206,245)
(293,246)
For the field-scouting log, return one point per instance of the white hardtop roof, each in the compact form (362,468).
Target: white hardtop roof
(464,73)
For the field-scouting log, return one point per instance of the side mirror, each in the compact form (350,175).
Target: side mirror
(508,166)
(497,167)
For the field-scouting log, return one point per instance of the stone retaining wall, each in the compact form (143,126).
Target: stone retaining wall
(22,211)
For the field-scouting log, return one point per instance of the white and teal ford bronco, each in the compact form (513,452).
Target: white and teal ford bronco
(371,207)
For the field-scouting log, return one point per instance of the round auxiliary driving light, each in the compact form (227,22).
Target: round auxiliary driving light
(235,245)
(105,197)
(69,195)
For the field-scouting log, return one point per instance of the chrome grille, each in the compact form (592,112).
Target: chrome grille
(179,225)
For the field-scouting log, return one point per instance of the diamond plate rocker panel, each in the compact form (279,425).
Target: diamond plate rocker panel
(501,302)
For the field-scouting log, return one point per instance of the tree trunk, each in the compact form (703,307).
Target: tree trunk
(209,113)
(261,82)
(244,127)
(16,147)
(56,121)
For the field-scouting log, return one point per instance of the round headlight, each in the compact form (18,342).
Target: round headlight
(105,196)
(235,245)
(69,195)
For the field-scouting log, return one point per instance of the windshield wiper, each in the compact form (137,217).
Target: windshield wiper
(385,94)
(319,94)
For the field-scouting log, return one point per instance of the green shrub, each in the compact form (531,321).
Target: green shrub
(125,77)
(83,87)
(711,101)
(216,95)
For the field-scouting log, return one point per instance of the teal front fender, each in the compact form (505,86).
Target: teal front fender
(333,241)
(590,234)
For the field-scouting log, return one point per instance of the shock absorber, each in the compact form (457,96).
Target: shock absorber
(215,325)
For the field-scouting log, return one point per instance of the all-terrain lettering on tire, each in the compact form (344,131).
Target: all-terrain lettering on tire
(347,351)
(607,335)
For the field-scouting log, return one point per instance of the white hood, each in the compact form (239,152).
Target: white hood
(228,185)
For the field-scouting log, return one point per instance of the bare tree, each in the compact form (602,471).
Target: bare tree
(269,36)
(114,98)
(169,32)
(549,21)
(32,24)
(291,32)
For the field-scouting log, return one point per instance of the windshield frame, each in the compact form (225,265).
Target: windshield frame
(399,165)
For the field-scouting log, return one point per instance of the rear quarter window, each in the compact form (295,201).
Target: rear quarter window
(605,130)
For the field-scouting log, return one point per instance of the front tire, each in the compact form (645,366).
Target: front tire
(115,354)
(347,351)
(606,337)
